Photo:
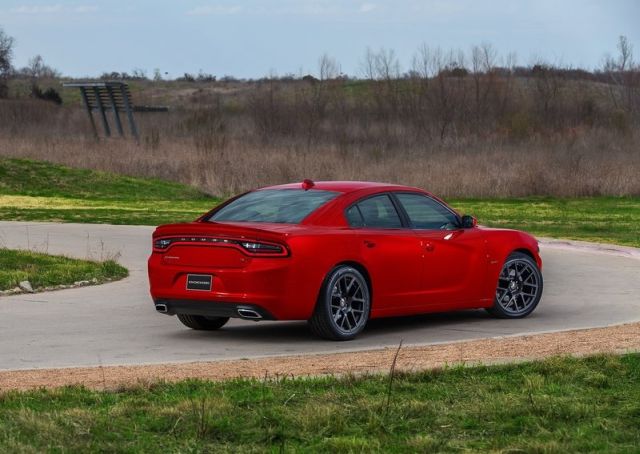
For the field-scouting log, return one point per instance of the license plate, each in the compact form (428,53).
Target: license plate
(199,282)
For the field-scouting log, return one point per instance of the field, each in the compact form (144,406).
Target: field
(556,405)
(544,132)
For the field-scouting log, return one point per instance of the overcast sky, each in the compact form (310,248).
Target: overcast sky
(253,38)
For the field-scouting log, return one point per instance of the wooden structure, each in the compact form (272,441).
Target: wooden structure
(111,96)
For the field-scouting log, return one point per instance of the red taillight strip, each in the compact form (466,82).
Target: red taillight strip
(220,241)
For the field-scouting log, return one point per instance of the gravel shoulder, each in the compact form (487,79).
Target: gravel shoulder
(613,339)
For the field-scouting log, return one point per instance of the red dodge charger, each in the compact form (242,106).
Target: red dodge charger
(338,253)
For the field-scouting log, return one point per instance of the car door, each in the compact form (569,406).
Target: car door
(390,252)
(453,259)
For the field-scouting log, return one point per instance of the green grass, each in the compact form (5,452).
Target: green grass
(557,405)
(43,179)
(38,191)
(600,219)
(43,270)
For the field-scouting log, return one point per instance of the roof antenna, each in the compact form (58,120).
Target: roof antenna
(307,184)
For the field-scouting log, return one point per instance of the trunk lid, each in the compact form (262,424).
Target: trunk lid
(196,246)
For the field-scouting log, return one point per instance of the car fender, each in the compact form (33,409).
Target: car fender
(500,244)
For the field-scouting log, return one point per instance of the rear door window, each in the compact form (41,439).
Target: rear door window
(374,212)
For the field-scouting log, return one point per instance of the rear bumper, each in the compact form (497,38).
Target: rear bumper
(276,288)
(211,309)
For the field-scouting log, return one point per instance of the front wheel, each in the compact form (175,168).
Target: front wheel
(519,287)
(342,310)
(200,322)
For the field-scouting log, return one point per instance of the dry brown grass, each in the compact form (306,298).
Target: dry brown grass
(593,164)
(228,141)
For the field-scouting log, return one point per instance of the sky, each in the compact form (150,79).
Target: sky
(255,38)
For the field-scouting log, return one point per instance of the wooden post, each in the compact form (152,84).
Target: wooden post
(88,106)
(116,114)
(105,123)
(129,108)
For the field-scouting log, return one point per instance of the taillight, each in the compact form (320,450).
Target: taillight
(262,248)
(162,243)
(249,247)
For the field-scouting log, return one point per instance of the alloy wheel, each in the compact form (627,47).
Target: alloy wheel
(518,287)
(349,303)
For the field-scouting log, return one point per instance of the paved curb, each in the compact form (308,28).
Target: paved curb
(585,246)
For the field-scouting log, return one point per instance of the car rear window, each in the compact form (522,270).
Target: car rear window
(283,206)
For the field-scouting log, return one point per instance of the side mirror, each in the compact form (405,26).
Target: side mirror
(468,222)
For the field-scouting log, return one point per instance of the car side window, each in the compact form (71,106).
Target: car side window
(354,218)
(375,212)
(427,213)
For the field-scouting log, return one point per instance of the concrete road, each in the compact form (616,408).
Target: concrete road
(585,286)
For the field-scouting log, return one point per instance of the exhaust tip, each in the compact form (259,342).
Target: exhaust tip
(162,308)
(249,314)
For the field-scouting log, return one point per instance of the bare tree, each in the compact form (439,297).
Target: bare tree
(6,55)
(139,74)
(439,90)
(387,65)
(504,94)
(450,94)
(418,101)
(313,99)
(625,54)
(369,65)
(382,69)
(549,83)
(328,67)
(38,69)
(483,62)
(624,76)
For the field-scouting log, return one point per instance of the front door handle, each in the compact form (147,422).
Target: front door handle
(369,244)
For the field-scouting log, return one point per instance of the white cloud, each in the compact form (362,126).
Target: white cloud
(53,9)
(214,10)
(37,9)
(285,8)
(367,7)
(85,9)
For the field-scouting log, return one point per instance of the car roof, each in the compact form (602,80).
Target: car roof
(343,186)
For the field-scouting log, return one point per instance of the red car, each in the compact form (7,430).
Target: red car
(338,253)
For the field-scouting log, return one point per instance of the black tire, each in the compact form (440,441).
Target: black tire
(342,310)
(200,322)
(519,287)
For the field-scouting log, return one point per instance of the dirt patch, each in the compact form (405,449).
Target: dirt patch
(613,339)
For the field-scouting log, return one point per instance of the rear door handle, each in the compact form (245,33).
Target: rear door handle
(429,247)
(369,244)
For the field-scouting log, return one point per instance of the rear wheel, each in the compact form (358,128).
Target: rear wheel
(342,310)
(200,322)
(519,287)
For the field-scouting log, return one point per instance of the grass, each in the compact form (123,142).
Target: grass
(38,191)
(43,179)
(43,270)
(557,405)
(601,219)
